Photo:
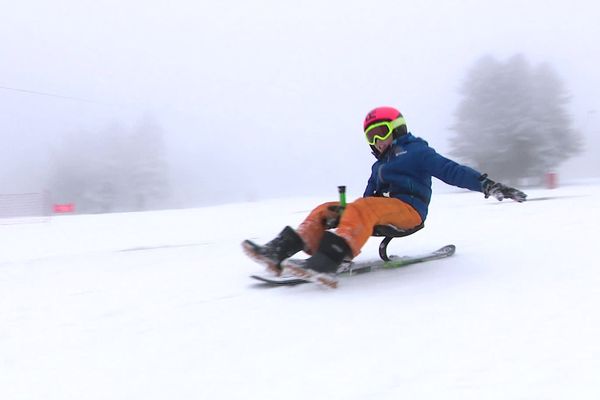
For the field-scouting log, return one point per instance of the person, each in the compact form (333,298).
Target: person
(398,193)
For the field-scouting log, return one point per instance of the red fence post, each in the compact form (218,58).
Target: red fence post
(64,208)
(551,180)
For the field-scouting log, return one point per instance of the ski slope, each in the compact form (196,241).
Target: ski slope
(159,305)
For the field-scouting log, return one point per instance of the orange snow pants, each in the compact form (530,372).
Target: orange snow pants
(357,221)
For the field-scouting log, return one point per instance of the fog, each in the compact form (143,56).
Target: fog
(263,99)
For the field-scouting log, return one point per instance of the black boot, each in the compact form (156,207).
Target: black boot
(285,245)
(323,265)
(333,249)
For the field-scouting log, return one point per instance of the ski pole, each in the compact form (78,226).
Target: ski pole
(342,192)
(333,220)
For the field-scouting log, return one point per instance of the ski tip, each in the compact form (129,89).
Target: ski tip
(448,249)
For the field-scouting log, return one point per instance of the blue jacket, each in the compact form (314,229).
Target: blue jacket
(404,171)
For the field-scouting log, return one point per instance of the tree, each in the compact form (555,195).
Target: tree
(148,168)
(512,120)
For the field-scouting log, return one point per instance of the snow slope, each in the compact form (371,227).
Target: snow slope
(159,305)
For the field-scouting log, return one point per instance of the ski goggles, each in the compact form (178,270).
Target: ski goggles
(382,130)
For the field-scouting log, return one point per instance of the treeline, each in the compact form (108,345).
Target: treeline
(112,170)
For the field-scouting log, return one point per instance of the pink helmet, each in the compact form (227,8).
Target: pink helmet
(385,114)
(381,114)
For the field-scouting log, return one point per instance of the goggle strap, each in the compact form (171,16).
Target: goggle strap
(392,124)
(398,122)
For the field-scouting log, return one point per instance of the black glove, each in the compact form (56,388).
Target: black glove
(500,191)
(332,219)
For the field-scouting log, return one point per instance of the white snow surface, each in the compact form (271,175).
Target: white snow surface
(159,305)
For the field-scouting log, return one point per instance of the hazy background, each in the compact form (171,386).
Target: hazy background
(265,98)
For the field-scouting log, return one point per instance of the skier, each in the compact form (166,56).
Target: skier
(398,193)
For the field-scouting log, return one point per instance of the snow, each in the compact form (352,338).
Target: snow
(159,305)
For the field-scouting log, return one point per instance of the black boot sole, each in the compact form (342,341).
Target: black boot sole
(296,268)
(252,251)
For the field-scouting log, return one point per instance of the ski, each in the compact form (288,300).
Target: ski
(355,268)
(280,280)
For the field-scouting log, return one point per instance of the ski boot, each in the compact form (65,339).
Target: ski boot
(285,245)
(323,265)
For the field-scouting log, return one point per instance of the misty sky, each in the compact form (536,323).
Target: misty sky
(266,98)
